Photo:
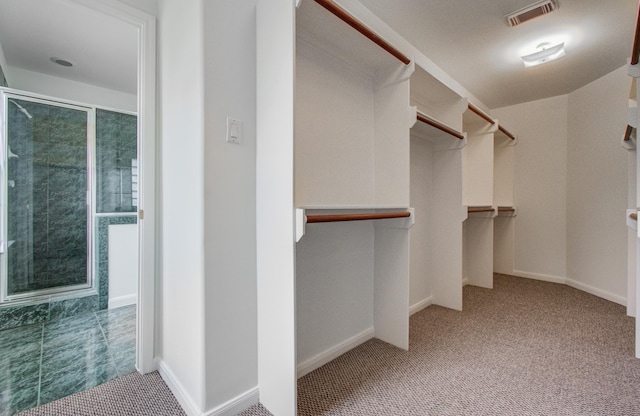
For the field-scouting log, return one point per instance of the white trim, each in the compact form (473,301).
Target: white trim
(237,404)
(334,352)
(125,300)
(597,292)
(420,305)
(146,94)
(539,276)
(180,393)
(465,281)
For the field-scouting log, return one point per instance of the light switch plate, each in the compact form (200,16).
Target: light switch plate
(234,131)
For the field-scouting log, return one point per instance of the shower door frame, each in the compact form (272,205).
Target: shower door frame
(84,289)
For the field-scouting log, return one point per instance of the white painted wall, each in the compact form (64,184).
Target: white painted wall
(540,186)
(230,202)
(182,133)
(275,233)
(597,187)
(3,63)
(70,90)
(571,187)
(420,286)
(123,264)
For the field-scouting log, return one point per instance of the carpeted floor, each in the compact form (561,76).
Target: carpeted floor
(524,348)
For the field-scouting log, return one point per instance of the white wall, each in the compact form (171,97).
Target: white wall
(230,202)
(123,264)
(571,187)
(70,90)
(597,186)
(3,63)
(181,128)
(540,186)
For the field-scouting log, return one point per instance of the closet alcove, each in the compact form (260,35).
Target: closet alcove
(381,194)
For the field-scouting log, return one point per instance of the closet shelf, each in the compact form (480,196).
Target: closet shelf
(364,30)
(423,118)
(356,217)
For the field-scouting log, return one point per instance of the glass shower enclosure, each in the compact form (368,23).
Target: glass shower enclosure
(46,197)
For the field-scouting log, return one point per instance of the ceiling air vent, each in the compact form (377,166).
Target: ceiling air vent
(530,12)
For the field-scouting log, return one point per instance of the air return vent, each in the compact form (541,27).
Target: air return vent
(532,11)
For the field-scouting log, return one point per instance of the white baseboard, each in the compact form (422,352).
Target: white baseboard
(237,404)
(418,306)
(597,292)
(229,408)
(334,352)
(187,403)
(465,281)
(538,276)
(123,301)
(574,284)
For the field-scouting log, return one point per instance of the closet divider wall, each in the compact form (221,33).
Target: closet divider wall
(478,197)
(629,142)
(436,190)
(352,120)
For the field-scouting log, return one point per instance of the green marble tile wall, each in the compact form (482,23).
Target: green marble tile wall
(46,195)
(116,154)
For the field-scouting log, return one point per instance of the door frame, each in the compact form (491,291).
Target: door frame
(146,97)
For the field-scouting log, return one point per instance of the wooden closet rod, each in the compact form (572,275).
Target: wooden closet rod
(634,216)
(627,133)
(635,53)
(480,209)
(428,120)
(506,132)
(506,209)
(357,217)
(482,114)
(357,25)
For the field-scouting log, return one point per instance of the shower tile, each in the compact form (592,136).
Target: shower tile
(15,316)
(70,307)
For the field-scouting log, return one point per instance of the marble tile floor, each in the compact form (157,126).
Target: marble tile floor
(43,362)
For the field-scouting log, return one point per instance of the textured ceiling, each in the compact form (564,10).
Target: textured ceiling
(102,49)
(472,42)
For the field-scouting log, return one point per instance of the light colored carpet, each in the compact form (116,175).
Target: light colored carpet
(523,348)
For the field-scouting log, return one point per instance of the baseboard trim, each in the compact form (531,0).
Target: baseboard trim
(418,306)
(123,301)
(597,292)
(465,281)
(237,404)
(574,284)
(334,352)
(187,403)
(539,276)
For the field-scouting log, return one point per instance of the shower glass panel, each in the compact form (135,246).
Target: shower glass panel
(47,214)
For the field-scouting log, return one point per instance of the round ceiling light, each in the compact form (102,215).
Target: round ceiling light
(61,62)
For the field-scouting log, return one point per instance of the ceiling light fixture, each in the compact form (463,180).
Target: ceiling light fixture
(61,62)
(545,53)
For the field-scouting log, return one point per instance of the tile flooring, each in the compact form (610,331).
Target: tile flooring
(43,362)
